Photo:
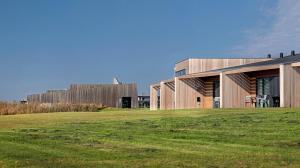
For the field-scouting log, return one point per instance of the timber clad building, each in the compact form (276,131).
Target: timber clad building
(230,83)
(110,95)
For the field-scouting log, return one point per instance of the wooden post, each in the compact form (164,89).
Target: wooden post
(285,85)
(153,98)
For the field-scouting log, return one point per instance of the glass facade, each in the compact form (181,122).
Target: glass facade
(269,87)
(216,94)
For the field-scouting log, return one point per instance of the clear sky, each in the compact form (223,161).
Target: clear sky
(49,44)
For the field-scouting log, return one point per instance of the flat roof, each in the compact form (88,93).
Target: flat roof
(222,58)
(156,85)
(168,80)
(264,65)
(201,74)
(284,60)
(252,69)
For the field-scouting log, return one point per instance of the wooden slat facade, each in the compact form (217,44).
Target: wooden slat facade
(290,84)
(235,88)
(189,90)
(154,90)
(101,94)
(235,84)
(186,93)
(203,65)
(239,85)
(295,86)
(167,95)
(51,96)
(196,83)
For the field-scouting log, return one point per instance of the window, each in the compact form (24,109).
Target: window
(270,87)
(126,102)
(180,73)
(216,89)
(216,94)
(198,99)
(267,86)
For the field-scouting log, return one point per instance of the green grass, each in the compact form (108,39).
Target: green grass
(142,138)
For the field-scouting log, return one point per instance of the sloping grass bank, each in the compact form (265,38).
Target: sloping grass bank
(138,138)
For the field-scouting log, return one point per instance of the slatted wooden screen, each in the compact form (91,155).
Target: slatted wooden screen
(103,94)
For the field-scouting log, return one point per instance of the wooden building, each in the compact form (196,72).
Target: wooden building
(50,96)
(230,83)
(110,95)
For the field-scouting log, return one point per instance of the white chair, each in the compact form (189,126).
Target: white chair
(259,100)
(263,101)
(217,102)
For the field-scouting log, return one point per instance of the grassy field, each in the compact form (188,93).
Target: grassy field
(142,138)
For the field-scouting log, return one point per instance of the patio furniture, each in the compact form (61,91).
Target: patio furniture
(276,101)
(253,101)
(248,101)
(263,101)
(217,102)
(258,101)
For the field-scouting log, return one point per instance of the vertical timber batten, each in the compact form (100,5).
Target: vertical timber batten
(98,94)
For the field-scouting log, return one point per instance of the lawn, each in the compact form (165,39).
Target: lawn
(142,138)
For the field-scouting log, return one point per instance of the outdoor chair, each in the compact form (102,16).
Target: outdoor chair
(217,102)
(276,101)
(263,101)
(254,100)
(248,101)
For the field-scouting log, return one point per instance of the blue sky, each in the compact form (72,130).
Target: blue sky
(50,44)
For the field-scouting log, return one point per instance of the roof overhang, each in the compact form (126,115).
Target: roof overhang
(296,64)
(200,75)
(252,69)
(156,86)
(168,81)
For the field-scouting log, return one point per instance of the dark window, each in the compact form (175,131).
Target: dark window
(216,94)
(126,102)
(216,91)
(180,73)
(198,99)
(270,87)
(267,86)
